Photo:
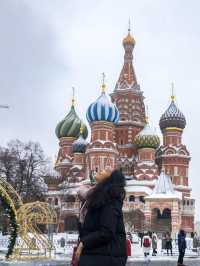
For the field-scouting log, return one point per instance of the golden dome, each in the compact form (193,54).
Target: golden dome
(129,39)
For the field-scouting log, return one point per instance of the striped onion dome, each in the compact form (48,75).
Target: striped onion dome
(103,110)
(172,117)
(147,138)
(70,126)
(80,144)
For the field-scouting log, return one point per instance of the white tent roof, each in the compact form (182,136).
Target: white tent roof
(164,188)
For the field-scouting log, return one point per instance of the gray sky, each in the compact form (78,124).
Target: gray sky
(48,46)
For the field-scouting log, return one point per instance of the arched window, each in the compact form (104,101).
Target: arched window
(50,200)
(142,199)
(56,201)
(132,198)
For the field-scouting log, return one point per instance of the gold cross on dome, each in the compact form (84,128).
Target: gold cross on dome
(172,95)
(103,86)
(129,25)
(73,96)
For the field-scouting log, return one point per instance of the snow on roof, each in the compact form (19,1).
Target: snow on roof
(76,166)
(145,189)
(148,163)
(54,192)
(65,161)
(164,196)
(72,192)
(140,182)
(182,187)
(164,188)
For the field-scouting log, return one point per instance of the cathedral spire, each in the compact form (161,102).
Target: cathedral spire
(73,96)
(172,95)
(127,78)
(103,85)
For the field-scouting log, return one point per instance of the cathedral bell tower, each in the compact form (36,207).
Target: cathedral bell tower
(129,100)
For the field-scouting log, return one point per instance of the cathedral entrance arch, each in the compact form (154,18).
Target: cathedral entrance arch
(161,221)
(134,220)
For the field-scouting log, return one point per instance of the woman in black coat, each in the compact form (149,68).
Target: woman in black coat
(102,234)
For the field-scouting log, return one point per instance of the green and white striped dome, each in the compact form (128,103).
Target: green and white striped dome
(70,126)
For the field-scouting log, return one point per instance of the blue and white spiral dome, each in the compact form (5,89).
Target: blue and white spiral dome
(103,110)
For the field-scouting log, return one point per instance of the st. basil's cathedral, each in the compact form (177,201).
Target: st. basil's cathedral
(158,194)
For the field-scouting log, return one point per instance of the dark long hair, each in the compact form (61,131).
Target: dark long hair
(110,189)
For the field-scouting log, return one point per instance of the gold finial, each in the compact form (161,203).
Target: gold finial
(73,96)
(81,129)
(129,25)
(172,95)
(103,86)
(129,39)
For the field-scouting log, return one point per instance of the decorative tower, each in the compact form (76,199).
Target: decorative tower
(67,131)
(147,141)
(78,170)
(102,115)
(173,156)
(129,100)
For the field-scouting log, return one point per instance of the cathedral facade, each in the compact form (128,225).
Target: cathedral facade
(158,195)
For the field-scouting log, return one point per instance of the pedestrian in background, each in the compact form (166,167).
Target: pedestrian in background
(195,242)
(146,243)
(168,243)
(154,244)
(181,247)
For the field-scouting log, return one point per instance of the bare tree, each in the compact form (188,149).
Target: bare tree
(24,165)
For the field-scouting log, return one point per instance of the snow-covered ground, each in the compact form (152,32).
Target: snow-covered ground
(64,244)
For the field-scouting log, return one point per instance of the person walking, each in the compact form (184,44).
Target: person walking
(101,231)
(168,243)
(195,242)
(181,247)
(154,244)
(146,243)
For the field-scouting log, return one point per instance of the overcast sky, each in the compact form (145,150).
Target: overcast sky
(48,46)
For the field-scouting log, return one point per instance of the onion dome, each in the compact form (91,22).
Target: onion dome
(80,144)
(70,126)
(129,39)
(147,138)
(103,109)
(172,117)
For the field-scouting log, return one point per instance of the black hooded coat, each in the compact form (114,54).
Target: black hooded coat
(103,236)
